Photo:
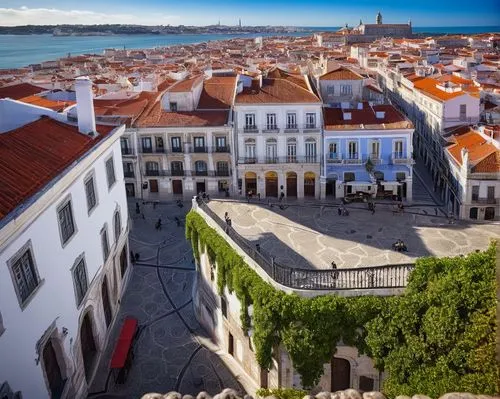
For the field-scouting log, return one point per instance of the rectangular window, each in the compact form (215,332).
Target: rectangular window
(345,89)
(398,149)
(271,122)
(375,150)
(291,120)
(66,222)
(146,145)
(333,150)
(353,150)
(271,152)
(199,144)
(110,172)
(90,193)
(128,169)
(330,90)
(250,151)
(176,144)
(463,112)
(80,280)
(125,146)
(105,243)
(311,151)
(250,121)
(491,192)
(475,193)
(220,143)
(310,121)
(159,144)
(173,107)
(291,152)
(24,275)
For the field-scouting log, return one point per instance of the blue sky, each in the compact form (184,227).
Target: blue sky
(255,12)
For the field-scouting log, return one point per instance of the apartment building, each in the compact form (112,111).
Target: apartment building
(63,245)
(367,149)
(277,127)
(181,144)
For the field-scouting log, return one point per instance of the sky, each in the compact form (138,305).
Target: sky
(318,13)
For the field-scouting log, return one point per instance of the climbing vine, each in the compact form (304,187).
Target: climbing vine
(308,328)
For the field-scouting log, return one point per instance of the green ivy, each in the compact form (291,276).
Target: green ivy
(282,393)
(400,333)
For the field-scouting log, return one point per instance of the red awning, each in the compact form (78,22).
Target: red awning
(124,342)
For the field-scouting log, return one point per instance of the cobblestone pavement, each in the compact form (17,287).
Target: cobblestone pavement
(312,235)
(169,352)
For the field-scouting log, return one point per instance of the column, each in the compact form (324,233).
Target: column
(322,187)
(300,184)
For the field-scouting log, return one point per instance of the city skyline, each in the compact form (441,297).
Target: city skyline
(197,12)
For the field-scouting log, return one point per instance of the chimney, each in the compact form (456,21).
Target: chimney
(85,105)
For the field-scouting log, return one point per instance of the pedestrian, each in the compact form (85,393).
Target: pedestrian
(158,224)
(258,196)
(137,208)
(257,247)
(334,265)
(373,208)
(435,211)
(282,195)
(339,211)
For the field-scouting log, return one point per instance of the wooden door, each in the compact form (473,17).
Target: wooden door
(489,213)
(309,187)
(105,301)
(271,186)
(177,186)
(200,187)
(291,186)
(153,186)
(54,376)
(251,185)
(341,374)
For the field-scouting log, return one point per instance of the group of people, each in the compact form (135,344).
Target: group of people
(228,221)
(202,196)
(343,211)
(400,246)
(250,195)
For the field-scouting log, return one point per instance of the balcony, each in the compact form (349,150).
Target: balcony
(160,150)
(374,158)
(222,148)
(353,159)
(222,173)
(127,151)
(154,172)
(250,129)
(291,128)
(199,149)
(200,173)
(177,172)
(279,160)
(334,158)
(146,150)
(485,201)
(311,128)
(175,150)
(399,158)
(288,128)
(270,129)
(129,173)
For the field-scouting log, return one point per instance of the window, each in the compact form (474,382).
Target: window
(271,122)
(271,150)
(2,328)
(110,172)
(159,144)
(310,121)
(117,225)
(475,193)
(66,223)
(199,144)
(491,192)
(463,112)
(177,168)
(400,176)
(349,176)
(345,89)
(105,243)
(152,169)
(146,145)
(80,281)
(291,150)
(200,168)
(330,90)
(220,143)
(311,150)
(250,149)
(24,274)
(375,150)
(249,121)
(398,149)
(125,146)
(128,169)
(173,107)
(90,193)
(352,150)
(333,151)
(222,168)
(291,120)
(223,306)
(176,144)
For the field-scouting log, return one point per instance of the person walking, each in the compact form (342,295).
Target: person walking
(158,224)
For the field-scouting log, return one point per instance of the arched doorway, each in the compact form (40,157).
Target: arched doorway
(52,371)
(88,346)
(309,184)
(341,374)
(105,301)
(473,213)
(271,184)
(291,184)
(489,213)
(250,182)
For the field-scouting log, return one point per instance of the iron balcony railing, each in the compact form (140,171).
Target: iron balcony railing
(375,277)
(276,128)
(146,150)
(129,173)
(187,173)
(485,201)
(127,151)
(175,150)
(281,160)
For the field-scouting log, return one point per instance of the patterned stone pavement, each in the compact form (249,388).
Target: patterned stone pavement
(312,235)
(169,352)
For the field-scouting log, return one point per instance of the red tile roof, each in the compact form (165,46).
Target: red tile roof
(428,87)
(218,93)
(185,85)
(57,106)
(365,118)
(20,90)
(32,155)
(341,73)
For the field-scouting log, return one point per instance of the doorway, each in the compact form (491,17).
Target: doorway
(309,184)
(105,301)
(489,213)
(88,346)
(153,186)
(331,186)
(177,187)
(264,378)
(250,183)
(123,261)
(130,189)
(271,184)
(53,371)
(341,374)
(200,187)
(473,213)
(291,184)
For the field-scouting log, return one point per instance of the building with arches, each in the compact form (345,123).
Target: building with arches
(278,135)
(63,245)
(367,33)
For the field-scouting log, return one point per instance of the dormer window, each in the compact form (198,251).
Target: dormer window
(173,107)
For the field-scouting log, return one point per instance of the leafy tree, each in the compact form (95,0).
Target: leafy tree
(439,336)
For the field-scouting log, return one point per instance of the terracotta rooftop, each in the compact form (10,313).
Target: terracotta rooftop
(276,91)
(365,118)
(484,157)
(428,87)
(20,90)
(32,155)
(132,107)
(341,73)
(57,106)
(185,85)
(218,93)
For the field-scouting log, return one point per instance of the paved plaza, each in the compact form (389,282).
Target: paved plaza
(172,351)
(312,234)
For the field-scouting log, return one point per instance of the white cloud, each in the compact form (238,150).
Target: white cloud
(53,16)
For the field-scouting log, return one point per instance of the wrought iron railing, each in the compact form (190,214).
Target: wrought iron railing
(373,277)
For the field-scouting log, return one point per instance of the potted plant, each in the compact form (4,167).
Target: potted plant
(369,165)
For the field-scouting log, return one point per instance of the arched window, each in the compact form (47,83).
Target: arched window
(311,150)
(271,150)
(117,221)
